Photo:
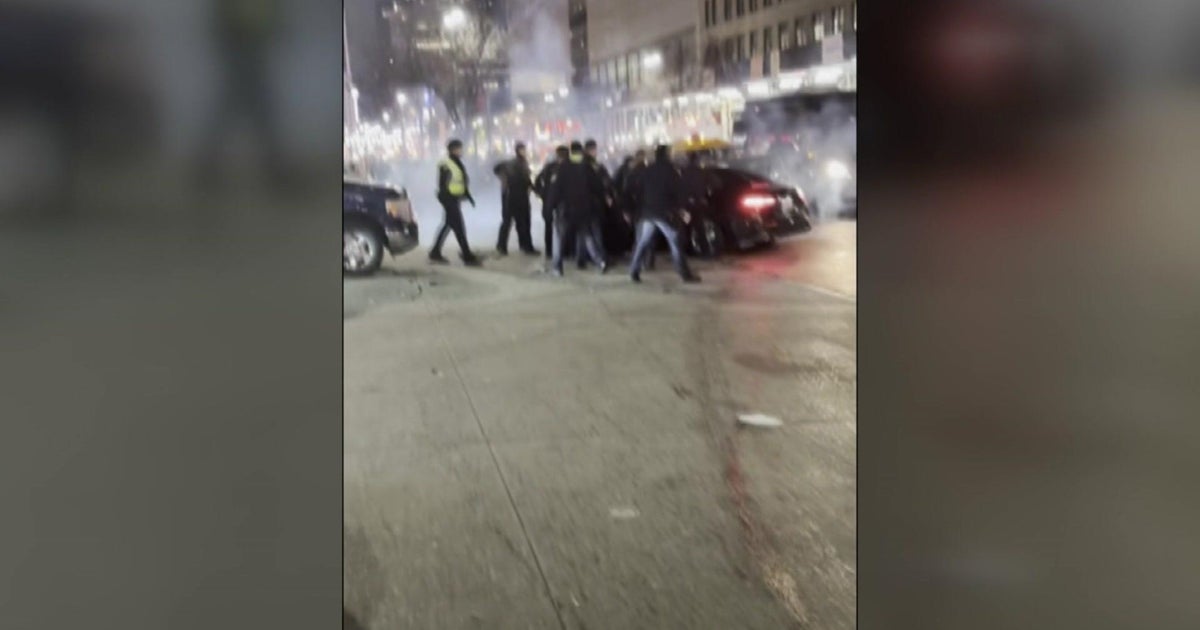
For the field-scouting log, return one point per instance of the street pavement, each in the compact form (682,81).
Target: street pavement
(522,451)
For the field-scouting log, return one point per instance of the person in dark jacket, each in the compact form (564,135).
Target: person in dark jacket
(453,189)
(661,197)
(516,182)
(695,190)
(541,187)
(573,196)
(604,204)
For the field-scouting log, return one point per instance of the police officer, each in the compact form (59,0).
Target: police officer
(452,191)
(541,186)
(573,195)
(516,181)
(660,191)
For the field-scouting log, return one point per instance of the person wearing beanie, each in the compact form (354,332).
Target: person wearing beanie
(453,189)
(516,182)
(572,195)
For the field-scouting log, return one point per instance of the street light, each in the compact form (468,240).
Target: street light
(652,61)
(454,19)
(401,98)
(563,91)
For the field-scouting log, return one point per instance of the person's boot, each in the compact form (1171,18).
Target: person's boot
(438,259)
(502,251)
(603,268)
(691,278)
(471,260)
(636,277)
(531,252)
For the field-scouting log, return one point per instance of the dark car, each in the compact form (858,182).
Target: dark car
(744,210)
(374,218)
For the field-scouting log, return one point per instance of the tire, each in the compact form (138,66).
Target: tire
(707,239)
(362,250)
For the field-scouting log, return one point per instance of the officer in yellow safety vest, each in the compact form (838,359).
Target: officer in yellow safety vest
(452,191)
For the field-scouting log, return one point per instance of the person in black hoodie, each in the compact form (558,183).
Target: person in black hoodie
(541,187)
(604,204)
(573,197)
(661,197)
(516,181)
(453,189)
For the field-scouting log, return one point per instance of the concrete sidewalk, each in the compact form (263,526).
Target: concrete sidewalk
(529,453)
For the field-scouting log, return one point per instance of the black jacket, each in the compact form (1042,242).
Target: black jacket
(516,179)
(576,189)
(658,190)
(541,185)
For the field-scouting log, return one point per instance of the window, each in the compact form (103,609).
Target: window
(730,49)
(728,10)
(768,41)
(854,17)
(802,32)
(707,14)
(753,43)
(741,7)
(837,20)
(753,5)
(785,39)
(742,47)
(818,26)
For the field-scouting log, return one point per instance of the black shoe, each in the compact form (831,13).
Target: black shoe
(557,272)
(691,278)
(438,259)
(472,261)
(531,252)
(501,252)
(603,268)
(581,265)
(636,277)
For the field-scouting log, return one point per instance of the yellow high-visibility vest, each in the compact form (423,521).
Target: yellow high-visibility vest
(458,179)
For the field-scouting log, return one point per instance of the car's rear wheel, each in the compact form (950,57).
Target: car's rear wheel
(362,250)
(707,238)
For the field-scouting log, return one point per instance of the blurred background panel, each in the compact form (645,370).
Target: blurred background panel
(171,382)
(1027,262)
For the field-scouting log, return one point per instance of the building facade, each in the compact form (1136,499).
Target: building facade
(745,39)
(639,49)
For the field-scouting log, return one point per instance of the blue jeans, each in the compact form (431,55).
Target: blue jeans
(572,228)
(647,229)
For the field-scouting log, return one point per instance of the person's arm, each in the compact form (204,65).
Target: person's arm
(443,181)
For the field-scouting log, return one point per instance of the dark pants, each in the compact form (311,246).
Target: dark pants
(648,229)
(574,228)
(515,211)
(548,217)
(453,222)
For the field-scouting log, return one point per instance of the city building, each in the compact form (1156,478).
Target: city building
(749,39)
(577,21)
(638,49)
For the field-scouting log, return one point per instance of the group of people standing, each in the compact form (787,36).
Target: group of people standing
(577,194)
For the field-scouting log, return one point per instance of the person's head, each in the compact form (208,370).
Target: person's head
(455,148)
(662,153)
(640,156)
(576,147)
(521,150)
(591,148)
(563,153)
(627,160)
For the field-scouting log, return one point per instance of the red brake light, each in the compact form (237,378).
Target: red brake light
(757,202)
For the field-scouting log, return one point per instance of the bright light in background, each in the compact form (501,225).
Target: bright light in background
(729,92)
(549,98)
(608,102)
(666,102)
(454,18)
(837,170)
(387,117)
(401,98)
(828,76)
(354,93)
(758,88)
(563,91)
(682,100)
(652,61)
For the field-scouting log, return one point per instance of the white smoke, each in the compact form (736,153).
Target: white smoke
(539,49)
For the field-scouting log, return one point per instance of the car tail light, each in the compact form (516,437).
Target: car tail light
(757,202)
